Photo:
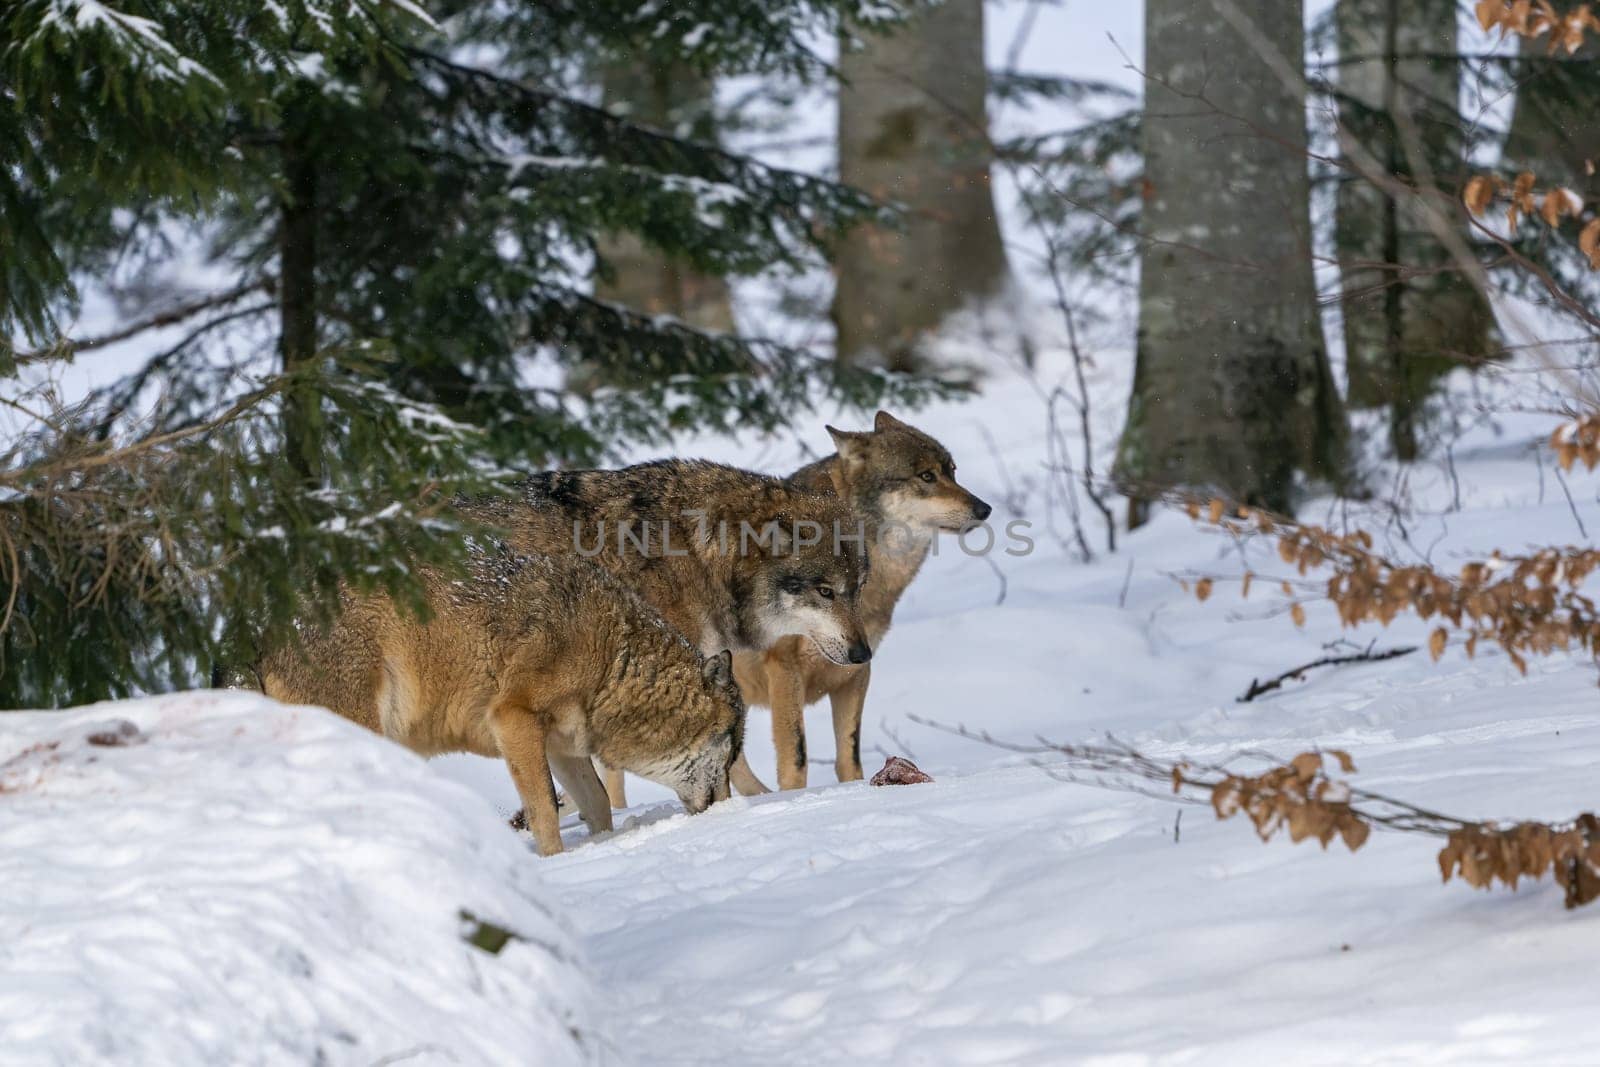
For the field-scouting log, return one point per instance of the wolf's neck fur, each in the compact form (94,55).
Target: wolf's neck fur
(892,570)
(894,566)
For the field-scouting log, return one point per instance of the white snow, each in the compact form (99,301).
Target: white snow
(245,882)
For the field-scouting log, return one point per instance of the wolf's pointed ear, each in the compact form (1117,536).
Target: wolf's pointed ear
(850,445)
(718,669)
(853,449)
(885,421)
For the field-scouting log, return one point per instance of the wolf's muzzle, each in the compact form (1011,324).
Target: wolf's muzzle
(980,510)
(860,652)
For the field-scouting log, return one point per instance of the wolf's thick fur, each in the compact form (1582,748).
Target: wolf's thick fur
(901,482)
(696,567)
(674,532)
(543,661)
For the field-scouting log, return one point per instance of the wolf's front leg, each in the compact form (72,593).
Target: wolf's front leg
(744,779)
(519,734)
(847,702)
(786,695)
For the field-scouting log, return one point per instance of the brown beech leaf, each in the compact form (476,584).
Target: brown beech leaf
(1479,192)
(1589,242)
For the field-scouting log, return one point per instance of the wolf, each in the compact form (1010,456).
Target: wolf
(902,484)
(543,661)
(730,558)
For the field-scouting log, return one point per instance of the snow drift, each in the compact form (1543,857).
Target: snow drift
(214,877)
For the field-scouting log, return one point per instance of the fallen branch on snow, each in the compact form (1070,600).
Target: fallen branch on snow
(1258,687)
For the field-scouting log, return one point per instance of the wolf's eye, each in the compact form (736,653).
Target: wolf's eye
(929,477)
(825,592)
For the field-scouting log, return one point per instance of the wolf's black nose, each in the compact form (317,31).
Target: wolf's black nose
(980,510)
(860,652)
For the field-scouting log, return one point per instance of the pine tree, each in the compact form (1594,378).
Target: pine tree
(407,206)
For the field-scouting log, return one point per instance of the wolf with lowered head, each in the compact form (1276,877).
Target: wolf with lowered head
(544,661)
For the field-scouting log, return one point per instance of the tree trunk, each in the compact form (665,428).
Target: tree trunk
(1554,131)
(1232,388)
(677,99)
(1409,316)
(297,303)
(913,129)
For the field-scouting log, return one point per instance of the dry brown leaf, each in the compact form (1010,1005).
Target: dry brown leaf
(1202,589)
(1355,832)
(1306,765)
(1479,193)
(1589,242)
(1436,642)
(1298,614)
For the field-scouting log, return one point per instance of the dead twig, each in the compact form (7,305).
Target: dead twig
(1258,687)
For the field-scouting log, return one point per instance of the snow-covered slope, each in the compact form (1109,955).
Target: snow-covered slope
(216,878)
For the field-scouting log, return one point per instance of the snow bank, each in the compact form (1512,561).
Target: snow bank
(218,878)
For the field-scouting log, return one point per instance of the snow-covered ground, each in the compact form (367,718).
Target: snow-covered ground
(214,878)
(258,884)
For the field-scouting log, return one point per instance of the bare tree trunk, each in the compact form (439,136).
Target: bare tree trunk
(1232,388)
(297,302)
(1409,316)
(676,98)
(1554,130)
(913,129)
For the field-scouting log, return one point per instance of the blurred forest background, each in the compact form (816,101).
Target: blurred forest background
(387,252)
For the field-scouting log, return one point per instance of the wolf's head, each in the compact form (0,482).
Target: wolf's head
(805,579)
(895,473)
(700,778)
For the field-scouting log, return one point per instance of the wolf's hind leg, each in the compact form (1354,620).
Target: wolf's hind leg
(519,734)
(616,790)
(576,775)
(847,701)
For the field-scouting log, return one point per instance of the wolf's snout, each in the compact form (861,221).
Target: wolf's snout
(859,652)
(980,510)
